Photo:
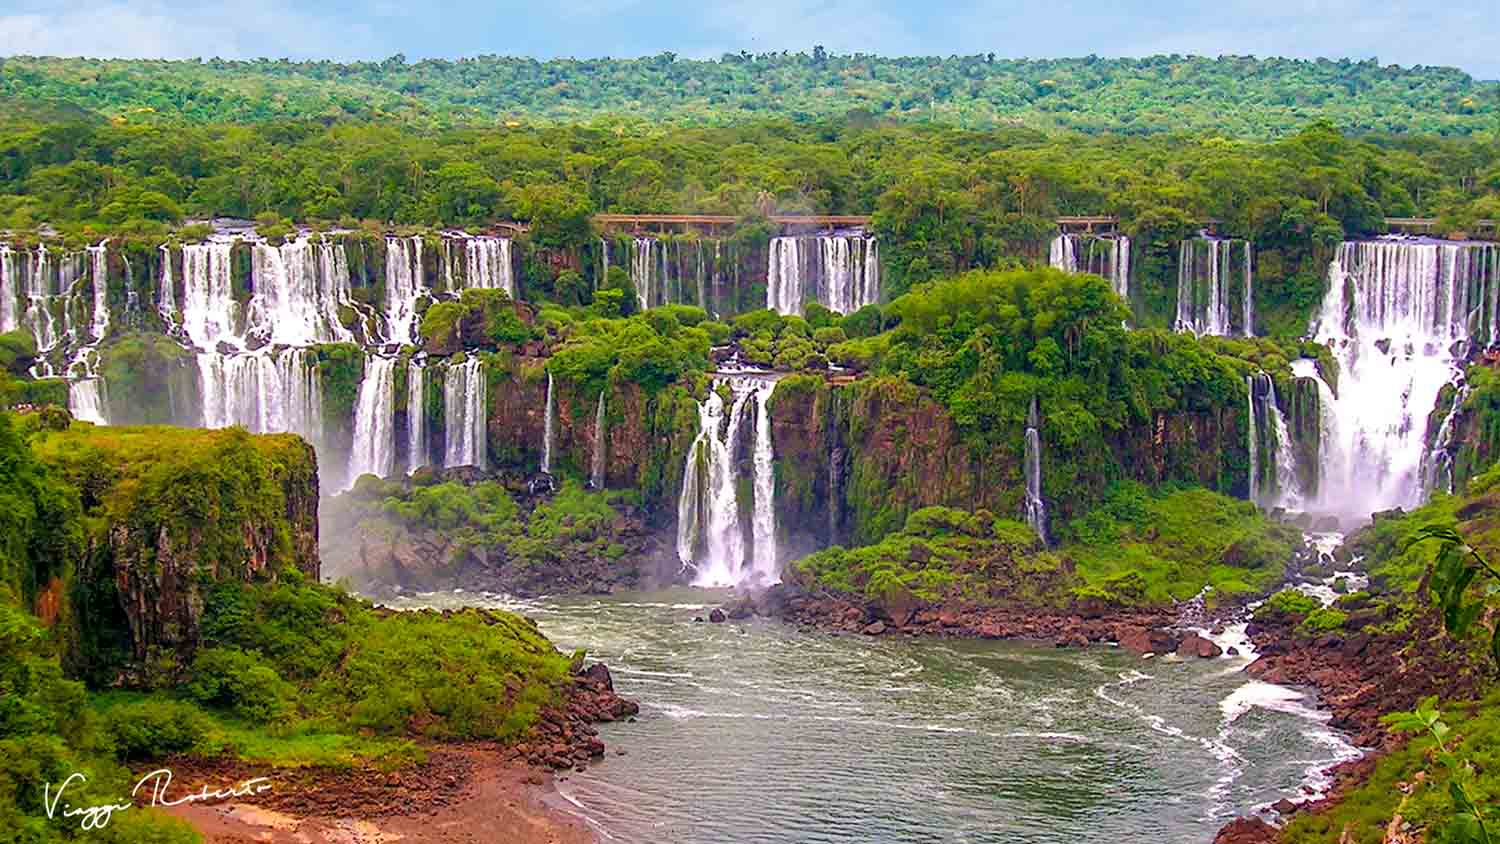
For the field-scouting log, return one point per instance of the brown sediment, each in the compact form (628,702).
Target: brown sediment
(472,793)
(468,794)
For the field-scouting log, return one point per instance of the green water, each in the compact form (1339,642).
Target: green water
(757,732)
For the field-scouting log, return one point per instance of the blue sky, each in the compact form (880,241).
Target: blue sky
(1462,33)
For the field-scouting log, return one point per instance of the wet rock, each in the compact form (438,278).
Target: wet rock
(717,616)
(599,674)
(1327,524)
(698,618)
(874,629)
(1284,807)
(1232,651)
(1247,831)
(1194,645)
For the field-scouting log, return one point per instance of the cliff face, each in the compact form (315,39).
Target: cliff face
(168,513)
(854,460)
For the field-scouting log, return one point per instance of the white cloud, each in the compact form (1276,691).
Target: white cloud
(152,30)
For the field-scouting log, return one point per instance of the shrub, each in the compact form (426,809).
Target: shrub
(241,682)
(156,727)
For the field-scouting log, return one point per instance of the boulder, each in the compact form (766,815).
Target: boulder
(716,616)
(1247,831)
(874,629)
(1195,645)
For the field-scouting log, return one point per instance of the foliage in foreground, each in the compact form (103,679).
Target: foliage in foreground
(1136,549)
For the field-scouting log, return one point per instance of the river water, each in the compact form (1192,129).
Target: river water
(759,732)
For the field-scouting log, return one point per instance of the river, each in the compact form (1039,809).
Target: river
(756,731)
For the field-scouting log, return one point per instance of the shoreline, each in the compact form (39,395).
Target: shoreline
(472,792)
(481,795)
(1357,676)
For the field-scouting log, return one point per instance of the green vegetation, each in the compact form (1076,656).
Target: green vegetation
(1138,549)
(270,666)
(1466,750)
(1232,95)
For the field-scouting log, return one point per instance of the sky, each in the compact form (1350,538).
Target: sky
(1461,33)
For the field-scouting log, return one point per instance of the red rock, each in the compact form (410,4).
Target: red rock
(1247,831)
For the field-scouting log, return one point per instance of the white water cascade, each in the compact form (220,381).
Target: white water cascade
(1273,462)
(1213,273)
(416,416)
(1399,314)
(10,317)
(265,392)
(547,430)
(842,272)
(486,263)
(403,287)
(209,310)
(374,448)
(1036,506)
(1104,256)
(299,287)
(596,470)
(710,537)
(463,414)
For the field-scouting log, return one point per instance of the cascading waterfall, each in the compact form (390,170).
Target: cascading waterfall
(10,318)
(99,280)
(764,524)
(1036,506)
(374,448)
(842,272)
(1104,256)
(547,432)
(266,391)
(463,414)
(486,263)
(1207,287)
(1273,462)
(1399,316)
(710,537)
(403,287)
(416,416)
(1437,463)
(299,288)
(209,310)
(86,400)
(596,469)
(642,270)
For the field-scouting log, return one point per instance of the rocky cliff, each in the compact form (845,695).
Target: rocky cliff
(167,514)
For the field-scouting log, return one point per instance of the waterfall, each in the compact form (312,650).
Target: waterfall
(1273,482)
(416,416)
(99,280)
(1119,263)
(842,272)
(604,268)
(1399,314)
(1105,256)
(464,414)
(764,524)
(1063,254)
(487,265)
(1252,436)
(209,310)
(1036,506)
(642,270)
(710,537)
(1437,463)
(265,392)
(547,432)
(9,291)
(596,470)
(299,287)
(373,451)
(166,295)
(403,286)
(1205,280)
(86,400)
